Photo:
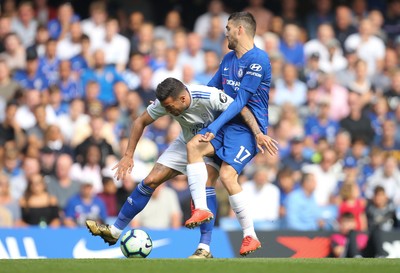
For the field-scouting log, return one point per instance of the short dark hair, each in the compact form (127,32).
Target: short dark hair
(347,216)
(379,189)
(246,19)
(170,87)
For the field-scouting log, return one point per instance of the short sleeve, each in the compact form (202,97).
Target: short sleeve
(219,100)
(155,110)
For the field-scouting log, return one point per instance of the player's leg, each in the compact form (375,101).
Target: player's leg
(134,204)
(197,179)
(239,148)
(203,249)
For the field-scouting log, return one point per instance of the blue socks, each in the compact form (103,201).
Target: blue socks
(206,228)
(134,204)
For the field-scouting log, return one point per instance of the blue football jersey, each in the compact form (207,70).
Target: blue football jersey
(251,73)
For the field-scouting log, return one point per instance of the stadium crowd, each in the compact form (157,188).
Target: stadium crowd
(70,87)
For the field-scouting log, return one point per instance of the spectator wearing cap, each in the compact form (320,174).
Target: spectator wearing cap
(291,47)
(290,89)
(321,126)
(25,24)
(59,27)
(84,206)
(357,123)
(296,159)
(337,95)
(32,77)
(369,48)
(350,174)
(14,54)
(343,25)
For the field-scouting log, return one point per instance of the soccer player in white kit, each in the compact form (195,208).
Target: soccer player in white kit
(194,107)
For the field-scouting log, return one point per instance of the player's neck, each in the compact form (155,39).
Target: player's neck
(242,48)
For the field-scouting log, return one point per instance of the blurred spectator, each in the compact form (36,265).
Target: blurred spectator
(311,107)
(49,63)
(343,25)
(14,54)
(290,89)
(381,80)
(9,8)
(289,12)
(362,83)
(351,244)
(53,139)
(215,37)
(84,206)
(336,94)
(38,207)
(380,112)
(311,72)
(352,203)
(336,61)
(381,212)
(376,158)
(135,66)
(180,185)
(290,113)
(5,28)
(61,185)
(44,12)
(32,77)
(172,68)
(8,203)
(70,45)
(261,14)
(377,20)
(357,123)
(387,177)
(295,161)
(203,22)
(264,198)
(388,141)
(165,203)
(84,59)
(283,135)
(94,26)
(10,131)
(211,66)
(47,160)
(291,47)
(136,19)
(271,42)
(348,74)
(393,94)
(41,38)
(193,55)
(25,24)
(37,131)
(158,54)
(369,48)
(108,195)
(277,64)
(391,25)
(115,46)
(360,10)
(321,15)
(145,39)
(128,185)
(106,76)
(321,126)
(60,27)
(171,24)
(68,84)
(286,184)
(8,86)
(302,211)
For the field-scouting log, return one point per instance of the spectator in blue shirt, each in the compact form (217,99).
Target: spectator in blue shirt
(291,47)
(58,27)
(80,61)
(106,76)
(302,211)
(68,84)
(48,64)
(31,77)
(84,206)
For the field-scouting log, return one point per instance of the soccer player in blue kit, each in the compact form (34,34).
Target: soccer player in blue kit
(245,75)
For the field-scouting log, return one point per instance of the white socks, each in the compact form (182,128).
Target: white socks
(204,246)
(197,178)
(240,205)
(115,232)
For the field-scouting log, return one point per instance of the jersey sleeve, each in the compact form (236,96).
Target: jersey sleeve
(216,81)
(155,110)
(256,71)
(219,100)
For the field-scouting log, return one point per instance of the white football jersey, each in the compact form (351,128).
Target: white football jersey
(205,106)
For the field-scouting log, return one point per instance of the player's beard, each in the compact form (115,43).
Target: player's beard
(232,43)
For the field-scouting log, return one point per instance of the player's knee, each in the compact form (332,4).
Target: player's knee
(151,182)
(193,146)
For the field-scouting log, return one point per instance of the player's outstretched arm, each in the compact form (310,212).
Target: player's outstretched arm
(125,165)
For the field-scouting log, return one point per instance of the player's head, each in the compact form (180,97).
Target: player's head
(173,96)
(240,24)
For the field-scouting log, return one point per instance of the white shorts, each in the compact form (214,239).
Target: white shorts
(175,157)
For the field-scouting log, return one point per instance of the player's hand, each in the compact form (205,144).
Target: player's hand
(269,143)
(124,166)
(207,137)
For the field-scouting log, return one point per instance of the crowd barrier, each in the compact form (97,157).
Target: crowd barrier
(34,243)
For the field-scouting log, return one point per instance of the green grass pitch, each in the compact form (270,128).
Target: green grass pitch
(241,265)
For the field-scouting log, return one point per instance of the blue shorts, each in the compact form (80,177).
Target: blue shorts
(234,144)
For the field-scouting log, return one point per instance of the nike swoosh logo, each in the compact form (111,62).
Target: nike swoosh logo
(237,161)
(226,68)
(80,250)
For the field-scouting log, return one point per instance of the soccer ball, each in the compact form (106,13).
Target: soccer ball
(136,243)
